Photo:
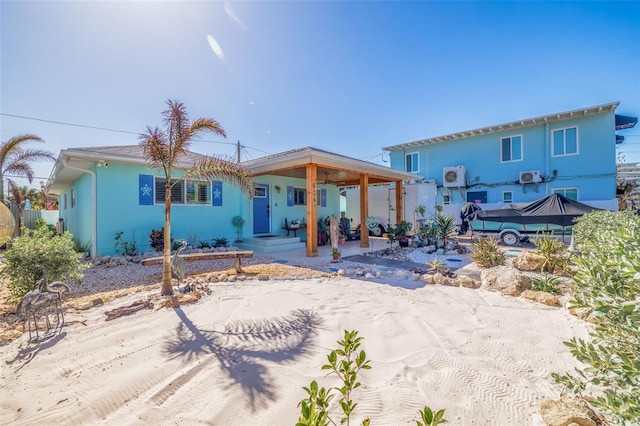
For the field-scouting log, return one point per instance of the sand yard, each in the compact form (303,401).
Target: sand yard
(240,356)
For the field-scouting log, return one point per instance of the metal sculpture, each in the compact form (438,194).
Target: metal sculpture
(39,300)
(178,267)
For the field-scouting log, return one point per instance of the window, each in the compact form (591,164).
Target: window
(511,149)
(411,162)
(507,197)
(65,200)
(259,192)
(477,197)
(565,141)
(198,193)
(570,193)
(299,197)
(73,197)
(446,199)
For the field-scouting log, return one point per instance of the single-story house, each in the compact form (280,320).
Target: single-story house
(107,190)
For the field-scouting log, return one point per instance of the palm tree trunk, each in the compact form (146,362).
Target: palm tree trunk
(167,288)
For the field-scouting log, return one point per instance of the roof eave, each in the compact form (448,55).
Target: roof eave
(582,112)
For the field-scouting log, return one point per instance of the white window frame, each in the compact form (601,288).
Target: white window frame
(504,198)
(511,149)
(446,199)
(563,191)
(72,195)
(415,168)
(181,190)
(564,142)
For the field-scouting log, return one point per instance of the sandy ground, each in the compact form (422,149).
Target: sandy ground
(241,355)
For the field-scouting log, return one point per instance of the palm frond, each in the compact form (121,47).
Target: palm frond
(155,148)
(15,142)
(206,125)
(176,119)
(213,168)
(15,194)
(22,169)
(19,158)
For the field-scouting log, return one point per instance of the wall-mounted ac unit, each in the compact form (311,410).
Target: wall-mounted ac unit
(453,177)
(531,176)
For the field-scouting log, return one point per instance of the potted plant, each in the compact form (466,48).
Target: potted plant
(238,223)
(401,231)
(335,252)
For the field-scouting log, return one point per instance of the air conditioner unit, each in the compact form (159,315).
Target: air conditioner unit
(532,176)
(453,177)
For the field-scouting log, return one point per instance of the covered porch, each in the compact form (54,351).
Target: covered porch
(318,166)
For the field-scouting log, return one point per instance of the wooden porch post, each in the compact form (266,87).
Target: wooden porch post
(312,210)
(364,210)
(399,202)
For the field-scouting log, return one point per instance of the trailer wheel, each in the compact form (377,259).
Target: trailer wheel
(510,238)
(377,232)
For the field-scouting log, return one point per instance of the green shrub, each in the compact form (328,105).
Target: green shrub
(607,281)
(129,248)
(220,242)
(554,252)
(446,226)
(156,237)
(32,251)
(80,247)
(345,362)
(487,254)
(547,283)
(204,244)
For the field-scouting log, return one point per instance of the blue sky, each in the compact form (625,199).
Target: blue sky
(349,77)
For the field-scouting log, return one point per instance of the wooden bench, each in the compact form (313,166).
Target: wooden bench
(237,257)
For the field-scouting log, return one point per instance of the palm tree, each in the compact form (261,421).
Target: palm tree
(15,159)
(164,149)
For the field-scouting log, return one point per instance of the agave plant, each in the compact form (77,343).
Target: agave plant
(445,227)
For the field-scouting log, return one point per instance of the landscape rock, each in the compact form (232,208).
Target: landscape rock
(369,276)
(567,411)
(468,282)
(528,261)
(505,279)
(541,297)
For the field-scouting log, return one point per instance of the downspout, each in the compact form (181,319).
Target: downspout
(547,155)
(94,205)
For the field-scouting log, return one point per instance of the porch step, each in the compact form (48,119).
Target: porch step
(270,244)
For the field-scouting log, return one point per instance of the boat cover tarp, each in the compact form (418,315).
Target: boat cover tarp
(553,209)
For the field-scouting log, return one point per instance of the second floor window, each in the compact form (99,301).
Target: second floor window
(565,141)
(570,193)
(511,149)
(507,197)
(411,162)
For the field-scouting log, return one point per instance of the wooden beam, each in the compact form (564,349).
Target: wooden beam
(312,210)
(399,203)
(364,210)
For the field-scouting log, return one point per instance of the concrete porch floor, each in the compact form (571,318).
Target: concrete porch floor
(298,257)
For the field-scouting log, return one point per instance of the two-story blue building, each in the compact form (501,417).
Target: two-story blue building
(571,153)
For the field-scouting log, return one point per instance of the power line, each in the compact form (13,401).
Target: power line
(106,129)
(70,124)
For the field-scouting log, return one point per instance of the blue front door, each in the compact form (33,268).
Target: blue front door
(261,214)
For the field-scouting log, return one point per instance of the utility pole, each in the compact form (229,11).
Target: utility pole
(238,152)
